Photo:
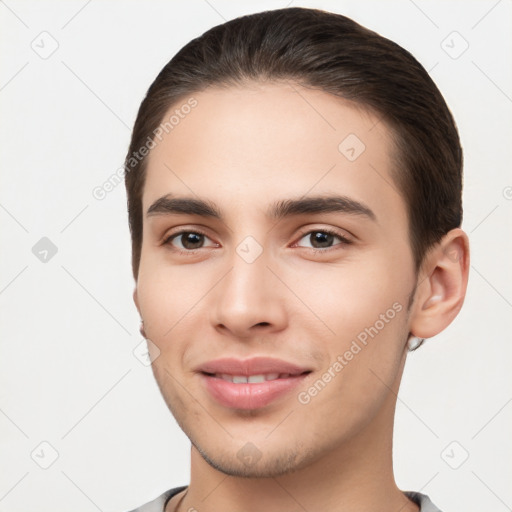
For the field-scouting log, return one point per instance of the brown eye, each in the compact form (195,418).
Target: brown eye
(323,239)
(320,240)
(191,240)
(187,241)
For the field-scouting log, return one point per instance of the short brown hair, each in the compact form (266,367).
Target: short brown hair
(330,52)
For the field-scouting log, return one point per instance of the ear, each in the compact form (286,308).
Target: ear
(442,284)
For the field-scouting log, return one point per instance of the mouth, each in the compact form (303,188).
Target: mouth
(252,383)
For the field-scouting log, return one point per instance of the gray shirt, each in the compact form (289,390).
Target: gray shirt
(158,504)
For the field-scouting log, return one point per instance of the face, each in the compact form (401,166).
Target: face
(275,247)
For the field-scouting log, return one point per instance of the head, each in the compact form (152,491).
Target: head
(257,137)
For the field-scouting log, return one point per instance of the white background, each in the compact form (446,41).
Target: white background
(68,375)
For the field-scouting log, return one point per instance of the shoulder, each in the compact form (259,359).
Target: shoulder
(422,500)
(158,504)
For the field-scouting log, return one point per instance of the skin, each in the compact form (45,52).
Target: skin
(244,148)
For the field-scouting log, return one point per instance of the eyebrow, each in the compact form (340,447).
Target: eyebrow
(171,205)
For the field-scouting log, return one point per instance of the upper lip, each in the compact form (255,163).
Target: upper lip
(252,366)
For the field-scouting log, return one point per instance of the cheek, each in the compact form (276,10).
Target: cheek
(353,295)
(154,300)
(174,304)
(368,345)
(164,319)
(165,296)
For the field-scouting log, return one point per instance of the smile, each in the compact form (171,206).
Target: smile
(251,379)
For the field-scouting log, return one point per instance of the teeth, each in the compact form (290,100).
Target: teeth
(252,379)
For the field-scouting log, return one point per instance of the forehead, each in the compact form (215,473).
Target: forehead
(260,143)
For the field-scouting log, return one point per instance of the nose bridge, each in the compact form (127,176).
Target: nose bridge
(248,275)
(249,293)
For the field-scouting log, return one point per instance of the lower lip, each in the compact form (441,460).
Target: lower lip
(249,396)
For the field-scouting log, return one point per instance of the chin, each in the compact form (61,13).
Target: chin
(250,462)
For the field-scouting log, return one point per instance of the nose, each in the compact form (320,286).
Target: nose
(250,300)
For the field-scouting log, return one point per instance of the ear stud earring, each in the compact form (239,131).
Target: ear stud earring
(414,343)
(141,329)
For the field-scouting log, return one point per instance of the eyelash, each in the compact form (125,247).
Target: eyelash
(327,231)
(192,252)
(189,252)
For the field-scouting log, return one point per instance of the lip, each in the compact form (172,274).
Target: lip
(248,395)
(252,366)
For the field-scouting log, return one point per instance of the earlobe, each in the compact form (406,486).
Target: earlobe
(442,286)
